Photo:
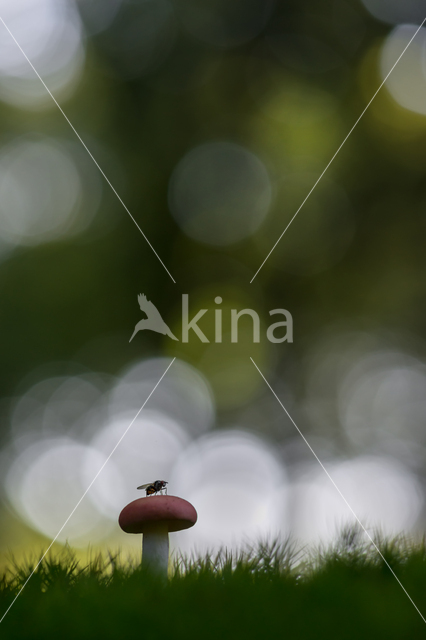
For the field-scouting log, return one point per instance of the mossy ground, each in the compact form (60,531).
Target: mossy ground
(271,590)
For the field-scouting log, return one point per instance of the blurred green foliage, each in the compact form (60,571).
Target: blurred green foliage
(75,300)
(354,257)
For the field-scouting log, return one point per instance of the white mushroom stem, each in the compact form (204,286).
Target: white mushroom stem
(155,550)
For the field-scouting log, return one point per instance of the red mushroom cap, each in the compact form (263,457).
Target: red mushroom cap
(158,512)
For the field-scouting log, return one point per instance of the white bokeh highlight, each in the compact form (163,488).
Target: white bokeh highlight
(383,397)
(407,82)
(396,11)
(65,428)
(220,193)
(382,492)
(238,487)
(50,34)
(41,193)
(146,453)
(184,394)
(47,480)
(141,36)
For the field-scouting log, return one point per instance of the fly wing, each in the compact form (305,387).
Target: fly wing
(144,486)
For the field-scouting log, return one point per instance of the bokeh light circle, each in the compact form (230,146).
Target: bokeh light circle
(237,485)
(184,394)
(140,37)
(407,82)
(40,190)
(98,14)
(65,405)
(396,11)
(50,33)
(146,453)
(225,24)
(382,492)
(45,483)
(220,193)
(383,397)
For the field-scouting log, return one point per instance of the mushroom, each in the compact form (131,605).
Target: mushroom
(155,517)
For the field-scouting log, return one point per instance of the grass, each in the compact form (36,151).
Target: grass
(271,590)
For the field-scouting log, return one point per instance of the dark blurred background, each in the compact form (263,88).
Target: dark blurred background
(212,120)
